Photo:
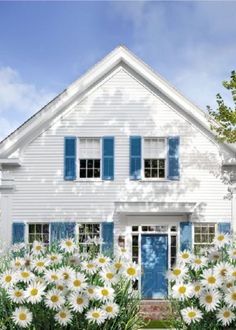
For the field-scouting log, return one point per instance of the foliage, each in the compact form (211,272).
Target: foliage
(225,115)
(203,287)
(58,287)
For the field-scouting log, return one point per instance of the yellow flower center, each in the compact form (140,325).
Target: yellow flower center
(95,315)
(79,301)
(229,285)
(118,265)
(131,271)
(66,275)
(25,274)
(197,288)
(105,292)
(54,277)
(234,273)
(198,261)
(233,296)
(60,287)
(182,289)
(109,309)
(226,314)
(17,264)
(185,256)
(18,294)
(211,280)
(62,315)
(223,272)
(191,314)
(53,258)
(176,271)
(38,248)
(90,266)
(8,278)
(90,290)
(102,260)
(54,298)
(69,243)
(234,252)
(208,299)
(77,283)
(220,238)
(34,292)
(110,276)
(22,316)
(40,264)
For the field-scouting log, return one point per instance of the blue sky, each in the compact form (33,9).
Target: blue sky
(44,46)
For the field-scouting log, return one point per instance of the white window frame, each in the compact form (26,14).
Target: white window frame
(143,159)
(202,224)
(38,223)
(77,233)
(78,158)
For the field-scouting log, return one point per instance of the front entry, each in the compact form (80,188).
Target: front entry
(154,260)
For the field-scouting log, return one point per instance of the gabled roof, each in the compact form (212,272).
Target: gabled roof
(35,124)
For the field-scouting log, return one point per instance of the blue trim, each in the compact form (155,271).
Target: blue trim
(18,232)
(62,230)
(70,158)
(173,158)
(107,231)
(108,158)
(224,227)
(135,157)
(185,236)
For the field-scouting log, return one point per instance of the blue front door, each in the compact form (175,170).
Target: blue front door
(154,258)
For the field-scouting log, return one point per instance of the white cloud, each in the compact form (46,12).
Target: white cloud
(18,100)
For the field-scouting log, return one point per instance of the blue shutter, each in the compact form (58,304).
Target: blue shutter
(108,158)
(185,236)
(224,227)
(70,158)
(107,237)
(62,230)
(135,157)
(173,158)
(18,232)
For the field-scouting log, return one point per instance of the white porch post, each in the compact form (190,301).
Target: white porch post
(233,208)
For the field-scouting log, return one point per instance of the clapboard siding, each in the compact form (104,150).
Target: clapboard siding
(120,107)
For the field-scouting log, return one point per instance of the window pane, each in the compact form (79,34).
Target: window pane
(154,173)
(38,228)
(147,163)
(31,228)
(161,173)
(82,173)
(82,163)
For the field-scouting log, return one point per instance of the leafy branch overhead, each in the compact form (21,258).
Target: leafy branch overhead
(225,115)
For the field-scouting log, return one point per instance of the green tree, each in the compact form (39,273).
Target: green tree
(225,116)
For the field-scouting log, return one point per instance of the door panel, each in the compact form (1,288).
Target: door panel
(154,257)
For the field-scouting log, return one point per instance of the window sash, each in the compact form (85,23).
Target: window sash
(154,148)
(39,232)
(89,148)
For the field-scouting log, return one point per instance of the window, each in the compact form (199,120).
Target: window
(203,235)
(154,158)
(87,232)
(89,158)
(38,232)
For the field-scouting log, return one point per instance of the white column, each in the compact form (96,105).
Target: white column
(233,208)
(6,218)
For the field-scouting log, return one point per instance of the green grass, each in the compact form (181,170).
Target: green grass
(158,325)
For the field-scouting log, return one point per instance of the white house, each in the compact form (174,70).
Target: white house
(119,154)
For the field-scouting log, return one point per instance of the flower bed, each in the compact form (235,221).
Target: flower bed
(204,287)
(58,287)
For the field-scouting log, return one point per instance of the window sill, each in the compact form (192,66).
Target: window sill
(89,180)
(155,180)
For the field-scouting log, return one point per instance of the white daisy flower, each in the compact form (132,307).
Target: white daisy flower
(111,310)
(7,279)
(231,273)
(78,283)
(182,291)
(22,317)
(225,316)
(104,293)
(66,273)
(54,299)
(78,302)
(54,258)
(52,276)
(131,271)
(68,245)
(227,285)
(214,255)
(34,292)
(16,295)
(102,260)
(109,276)
(91,291)
(185,256)
(177,273)
(230,297)
(40,264)
(17,263)
(63,317)
(118,265)
(61,286)
(197,289)
(198,262)
(232,253)
(38,248)
(89,266)
(221,239)
(209,300)
(191,315)
(123,252)
(221,269)
(96,315)
(210,279)
(25,276)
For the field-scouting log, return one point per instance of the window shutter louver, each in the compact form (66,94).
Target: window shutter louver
(108,158)
(62,230)
(70,158)
(173,158)
(135,157)
(185,236)
(107,237)
(224,227)
(18,232)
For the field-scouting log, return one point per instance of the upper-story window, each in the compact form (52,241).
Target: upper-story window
(154,157)
(89,158)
